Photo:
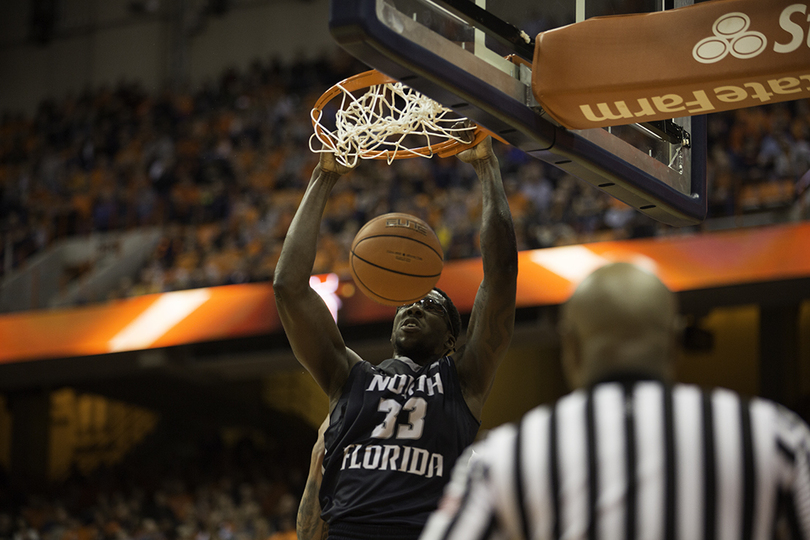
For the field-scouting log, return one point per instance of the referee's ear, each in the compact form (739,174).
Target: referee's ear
(571,354)
(677,337)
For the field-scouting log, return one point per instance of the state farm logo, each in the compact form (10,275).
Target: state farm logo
(731,36)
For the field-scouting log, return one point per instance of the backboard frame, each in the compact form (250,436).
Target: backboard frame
(504,104)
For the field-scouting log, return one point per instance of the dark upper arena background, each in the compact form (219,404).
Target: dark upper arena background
(149,146)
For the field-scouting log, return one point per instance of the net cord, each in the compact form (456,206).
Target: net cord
(374,126)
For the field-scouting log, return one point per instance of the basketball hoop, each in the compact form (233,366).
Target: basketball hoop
(388,121)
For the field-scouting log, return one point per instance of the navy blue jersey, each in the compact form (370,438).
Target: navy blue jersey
(393,438)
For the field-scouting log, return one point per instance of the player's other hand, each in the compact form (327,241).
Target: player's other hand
(319,448)
(481,151)
(328,164)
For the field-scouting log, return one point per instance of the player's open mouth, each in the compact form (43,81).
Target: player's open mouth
(409,324)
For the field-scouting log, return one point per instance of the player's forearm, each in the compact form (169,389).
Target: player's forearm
(498,243)
(300,246)
(308,523)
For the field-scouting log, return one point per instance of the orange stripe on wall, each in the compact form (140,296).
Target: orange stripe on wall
(546,277)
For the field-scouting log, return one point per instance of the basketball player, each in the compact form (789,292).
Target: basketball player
(628,454)
(396,429)
(308,523)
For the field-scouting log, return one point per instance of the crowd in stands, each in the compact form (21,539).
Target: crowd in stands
(220,170)
(203,491)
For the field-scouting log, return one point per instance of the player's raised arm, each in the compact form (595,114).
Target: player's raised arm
(313,334)
(493,315)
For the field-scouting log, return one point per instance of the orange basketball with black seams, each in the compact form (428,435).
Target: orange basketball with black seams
(396,258)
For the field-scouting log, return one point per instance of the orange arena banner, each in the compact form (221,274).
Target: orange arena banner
(546,277)
(150,321)
(709,57)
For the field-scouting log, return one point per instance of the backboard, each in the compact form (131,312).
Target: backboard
(476,58)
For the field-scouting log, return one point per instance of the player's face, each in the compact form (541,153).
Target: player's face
(422,328)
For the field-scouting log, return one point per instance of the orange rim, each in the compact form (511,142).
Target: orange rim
(373,77)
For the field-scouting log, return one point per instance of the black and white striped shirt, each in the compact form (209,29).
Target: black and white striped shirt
(636,460)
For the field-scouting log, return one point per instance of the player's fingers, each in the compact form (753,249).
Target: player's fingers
(465,130)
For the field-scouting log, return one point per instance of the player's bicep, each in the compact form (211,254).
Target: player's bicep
(315,339)
(489,333)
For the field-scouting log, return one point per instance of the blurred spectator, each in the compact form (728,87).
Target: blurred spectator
(213,492)
(221,171)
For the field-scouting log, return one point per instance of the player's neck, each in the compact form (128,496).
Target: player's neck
(418,359)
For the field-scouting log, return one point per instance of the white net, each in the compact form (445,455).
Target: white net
(387,122)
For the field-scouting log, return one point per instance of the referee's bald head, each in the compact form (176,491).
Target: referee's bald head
(620,320)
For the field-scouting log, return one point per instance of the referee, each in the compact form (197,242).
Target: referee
(628,455)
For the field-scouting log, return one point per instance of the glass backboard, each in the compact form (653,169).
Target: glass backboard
(476,58)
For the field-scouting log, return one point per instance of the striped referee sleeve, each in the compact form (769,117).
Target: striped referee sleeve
(467,508)
(632,461)
(793,454)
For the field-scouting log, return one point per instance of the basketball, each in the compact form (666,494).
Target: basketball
(396,259)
